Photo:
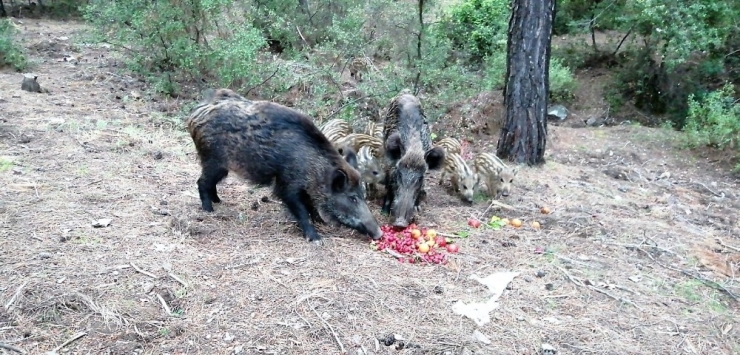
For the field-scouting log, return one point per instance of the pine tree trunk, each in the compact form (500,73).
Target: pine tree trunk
(524,132)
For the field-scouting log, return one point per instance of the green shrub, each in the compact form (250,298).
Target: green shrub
(196,40)
(479,26)
(11,53)
(562,82)
(714,120)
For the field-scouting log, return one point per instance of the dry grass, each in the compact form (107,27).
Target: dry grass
(623,270)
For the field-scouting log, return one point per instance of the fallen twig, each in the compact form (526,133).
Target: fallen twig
(331,329)
(70,341)
(720,195)
(15,295)
(719,240)
(12,348)
(395,254)
(142,271)
(177,279)
(709,283)
(167,308)
(579,283)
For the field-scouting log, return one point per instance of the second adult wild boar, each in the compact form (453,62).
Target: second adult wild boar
(264,142)
(409,155)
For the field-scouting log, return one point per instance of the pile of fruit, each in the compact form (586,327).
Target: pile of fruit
(413,244)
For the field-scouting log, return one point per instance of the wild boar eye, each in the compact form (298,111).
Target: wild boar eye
(502,179)
(510,181)
(465,187)
(353,199)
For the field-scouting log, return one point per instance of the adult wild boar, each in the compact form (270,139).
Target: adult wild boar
(264,142)
(409,155)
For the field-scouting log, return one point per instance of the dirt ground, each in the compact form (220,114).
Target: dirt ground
(101,230)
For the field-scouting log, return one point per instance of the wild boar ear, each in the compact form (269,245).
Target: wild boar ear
(435,157)
(515,171)
(394,146)
(499,170)
(339,180)
(350,156)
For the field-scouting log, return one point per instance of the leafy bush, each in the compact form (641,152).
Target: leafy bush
(714,120)
(479,26)
(197,40)
(562,82)
(10,52)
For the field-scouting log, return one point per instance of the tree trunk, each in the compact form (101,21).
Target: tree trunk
(524,133)
(2,10)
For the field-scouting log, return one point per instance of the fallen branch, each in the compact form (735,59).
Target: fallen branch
(725,245)
(142,271)
(15,295)
(12,348)
(70,341)
(705,281)
(591,287)
(331,329)
(177,279)
(167,308)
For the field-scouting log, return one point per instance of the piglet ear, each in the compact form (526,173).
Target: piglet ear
(515,170)
(338,180)
(435,157)
(394,146)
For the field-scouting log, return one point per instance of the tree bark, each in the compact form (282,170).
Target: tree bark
(523,135)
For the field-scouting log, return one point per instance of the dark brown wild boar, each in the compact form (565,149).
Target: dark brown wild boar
(409,155)
(264,142)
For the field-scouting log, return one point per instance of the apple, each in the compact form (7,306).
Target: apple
(423,247)
(449,241)
(431,233)
(441,242)
(430,244)
(516,222)
(536,225)
(415,233)
(545,210)
(452,248)
(505,221)
(473,222)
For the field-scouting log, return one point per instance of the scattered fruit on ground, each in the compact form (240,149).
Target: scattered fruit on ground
(545,210)
(505,221)
(516,222)
(413,244)
(415,233)
(536,225)
(452,248)
(441,242)
(473,222)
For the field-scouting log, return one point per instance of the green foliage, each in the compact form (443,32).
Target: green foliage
(678,29)
(167,41)
(562,82)
(479,26)
(495,70)
(714,120)
(11,53)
